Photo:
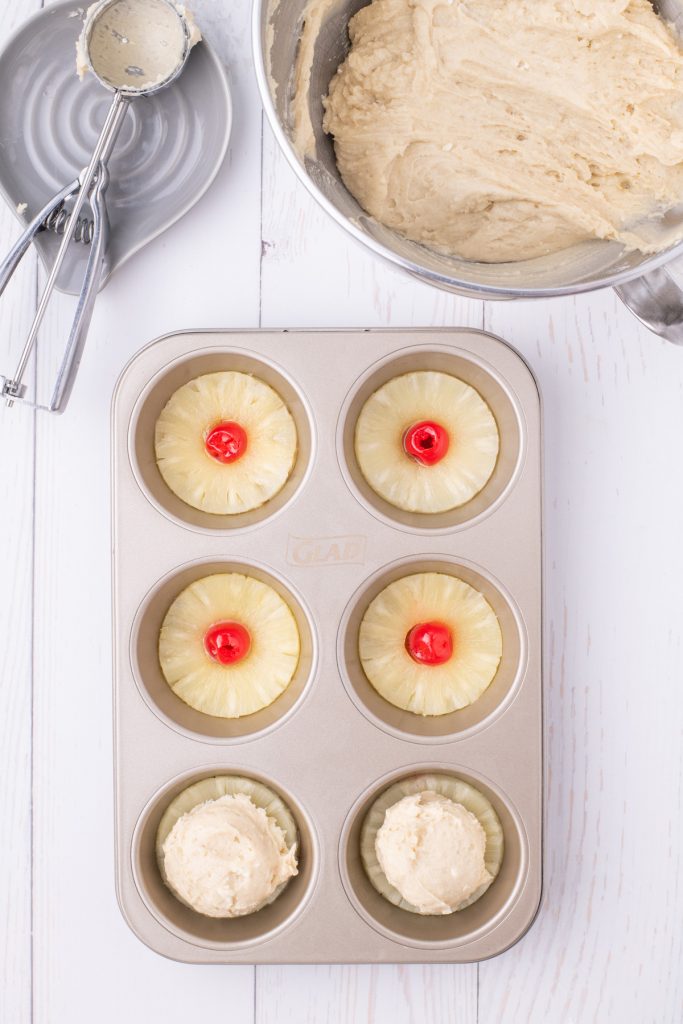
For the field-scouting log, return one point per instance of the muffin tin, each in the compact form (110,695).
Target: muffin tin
(329,744)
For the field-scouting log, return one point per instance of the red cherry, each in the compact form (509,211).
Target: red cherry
(427,442)
(226,442)
(430,643)
(227,642)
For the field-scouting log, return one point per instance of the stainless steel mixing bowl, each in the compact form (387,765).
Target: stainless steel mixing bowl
(645,283)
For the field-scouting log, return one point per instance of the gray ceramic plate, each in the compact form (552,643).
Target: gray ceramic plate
(168,153)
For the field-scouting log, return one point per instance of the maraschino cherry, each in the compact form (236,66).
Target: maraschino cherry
(427,442)
(227,642)
(226,442)
(430,643)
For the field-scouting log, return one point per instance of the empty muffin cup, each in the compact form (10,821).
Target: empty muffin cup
(214,932)
(156,691)
(434,728)
(489,387)
(438,931)
(153,400)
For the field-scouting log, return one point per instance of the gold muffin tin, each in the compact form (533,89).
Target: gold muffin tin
(329,744)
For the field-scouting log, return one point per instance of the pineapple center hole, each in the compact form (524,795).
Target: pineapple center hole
(226,442)
(427,442)
(430,643)
(227,642)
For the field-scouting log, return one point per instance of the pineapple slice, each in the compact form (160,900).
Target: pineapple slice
(430,643)
(212,789)
(229,645)
(436,468)
(225,443)
(452,788)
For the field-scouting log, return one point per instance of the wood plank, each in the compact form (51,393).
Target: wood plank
(82,947)
(376,994)
(87,962)
(607,945)
(17,428)
(313,274)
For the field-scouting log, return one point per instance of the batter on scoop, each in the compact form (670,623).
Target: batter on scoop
(504,129)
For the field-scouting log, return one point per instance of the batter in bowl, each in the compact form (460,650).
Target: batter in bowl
(503,130)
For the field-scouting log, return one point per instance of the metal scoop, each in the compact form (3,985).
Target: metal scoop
(104,50)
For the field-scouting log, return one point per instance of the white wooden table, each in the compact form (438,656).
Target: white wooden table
(608,943)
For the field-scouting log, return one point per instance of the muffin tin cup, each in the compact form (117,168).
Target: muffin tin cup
(158,694)
(329,743)
(500,399)
(153,399)
(447,930)
(457,724)
(221,933)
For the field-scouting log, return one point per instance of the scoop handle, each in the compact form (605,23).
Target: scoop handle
(88,294)
(656,298)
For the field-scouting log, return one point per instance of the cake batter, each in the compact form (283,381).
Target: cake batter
(503,130)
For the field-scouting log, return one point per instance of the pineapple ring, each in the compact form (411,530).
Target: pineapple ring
(202,481)
(245,686)
(212,789)
(454,789)
(401,480)
(430,689)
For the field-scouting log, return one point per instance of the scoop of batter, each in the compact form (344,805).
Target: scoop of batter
(432,850)
(506,129)
(226,857)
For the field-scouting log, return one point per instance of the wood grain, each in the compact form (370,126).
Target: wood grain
(16,669)
(440,994)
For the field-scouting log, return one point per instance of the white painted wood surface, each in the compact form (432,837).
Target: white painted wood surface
(608,943)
